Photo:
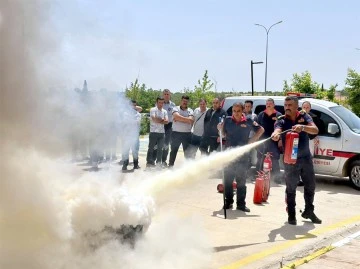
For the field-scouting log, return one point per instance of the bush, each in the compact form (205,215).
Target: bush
(145,125)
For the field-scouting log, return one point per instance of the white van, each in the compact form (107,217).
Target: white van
(338,153)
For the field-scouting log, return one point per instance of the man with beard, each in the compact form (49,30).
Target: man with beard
(236,129)
(210,139)
(181,130)
(303,124)
(267,119)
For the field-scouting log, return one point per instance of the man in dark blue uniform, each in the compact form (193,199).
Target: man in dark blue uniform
(267,119)
(303,124)
(236,129)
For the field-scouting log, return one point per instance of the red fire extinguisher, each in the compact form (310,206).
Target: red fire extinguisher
(259,189)
(267,169)
(267,163)
(291,148)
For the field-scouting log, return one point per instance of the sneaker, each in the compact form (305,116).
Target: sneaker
(228,206)
(292,220)
(311,215)
(243,208)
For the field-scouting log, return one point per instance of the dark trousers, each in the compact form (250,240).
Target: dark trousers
(155,139)
(195,144)
(165,148)
(236,170)
(178,138)
(272,147)
(304,167)
(208,144)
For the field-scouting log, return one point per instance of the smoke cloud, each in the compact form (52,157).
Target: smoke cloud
(52,215)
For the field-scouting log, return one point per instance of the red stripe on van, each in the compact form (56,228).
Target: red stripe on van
(343,154)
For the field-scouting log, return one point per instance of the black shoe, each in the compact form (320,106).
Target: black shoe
(292,220)
(228,206)
(243,208)
(137,166)
(150,165)
(311,215)
(300,183)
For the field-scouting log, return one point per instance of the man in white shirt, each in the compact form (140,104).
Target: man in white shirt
(198,127)
(181,130)
(168,106)
(158,117)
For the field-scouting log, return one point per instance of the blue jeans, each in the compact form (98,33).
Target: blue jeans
(134,147)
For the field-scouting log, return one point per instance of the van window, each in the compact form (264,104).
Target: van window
(322,121)
(260,108)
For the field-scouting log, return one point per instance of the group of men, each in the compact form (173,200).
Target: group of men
(172,126)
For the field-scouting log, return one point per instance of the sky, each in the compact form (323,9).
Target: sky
(169,44)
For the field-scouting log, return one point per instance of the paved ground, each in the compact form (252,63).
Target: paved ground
(262,238)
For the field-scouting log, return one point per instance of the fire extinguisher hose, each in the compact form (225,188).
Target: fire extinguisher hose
(283,132)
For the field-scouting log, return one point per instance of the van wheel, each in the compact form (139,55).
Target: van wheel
(354,174)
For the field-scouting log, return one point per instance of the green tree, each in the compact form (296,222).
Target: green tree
(352,88)
(303,83)
(202,90)
(146,98)
(330,94)
(286,87)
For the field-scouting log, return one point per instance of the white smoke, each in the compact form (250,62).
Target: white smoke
(52,215)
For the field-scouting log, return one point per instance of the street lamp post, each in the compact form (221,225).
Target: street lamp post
(267,42)
(252,76)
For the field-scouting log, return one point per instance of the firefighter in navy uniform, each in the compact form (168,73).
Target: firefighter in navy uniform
(303,124)
(267,119)
(236,129)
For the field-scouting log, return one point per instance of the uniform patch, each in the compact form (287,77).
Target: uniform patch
(274,118)
(243,125)
(255,123)
(301,120)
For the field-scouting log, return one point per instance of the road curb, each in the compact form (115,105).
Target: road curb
(322,251)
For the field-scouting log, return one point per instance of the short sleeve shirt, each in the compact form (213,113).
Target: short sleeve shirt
(161,114)
(237,133)
(198,128)
(179,126)
(267,122)
(286,123)
(169,108)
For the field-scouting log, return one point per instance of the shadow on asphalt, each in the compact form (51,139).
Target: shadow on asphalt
(233,214)
(224,248)
(291,232)
(92,169)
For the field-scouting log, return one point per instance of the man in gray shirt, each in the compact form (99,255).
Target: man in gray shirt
(181,130)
